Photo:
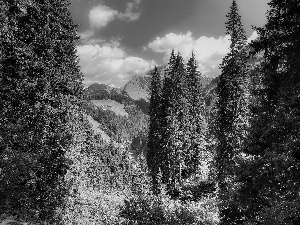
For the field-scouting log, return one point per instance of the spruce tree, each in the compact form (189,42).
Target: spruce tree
(41,87)
(181,111)
(172,133)
(165,108)
(271,188)
(229,93)
(195,128)
(154,136)
(179,123)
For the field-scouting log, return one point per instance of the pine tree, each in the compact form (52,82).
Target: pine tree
(41,87)
(195,129)
(179,124)
(165,109)
(181,111)
(273,182)
(171,125)
(154,139)
(229,93)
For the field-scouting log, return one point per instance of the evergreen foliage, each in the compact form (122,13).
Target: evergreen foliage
(101,177)
(162,210)
(271,187)
(166,108)
(55,170)
(231,110)
(196,125)
(172,128)
(176,134)
(41,87)
(154,139)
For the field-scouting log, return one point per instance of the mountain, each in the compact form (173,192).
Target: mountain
(102,91)
(138,87)
(137,90)
(112,105)
(116,114)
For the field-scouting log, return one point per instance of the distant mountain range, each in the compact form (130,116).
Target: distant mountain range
(139,86)
(136,90)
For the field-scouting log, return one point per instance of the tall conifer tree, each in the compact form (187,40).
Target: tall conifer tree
(179,124)
(229,93)
(40,88)
(172,133)
(181,111)
(154,136)
(166,108)
(195,128)
(271,187)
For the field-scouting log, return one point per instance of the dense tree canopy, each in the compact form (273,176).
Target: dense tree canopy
(41,86)
(229,108)
(176,123)
(274,141)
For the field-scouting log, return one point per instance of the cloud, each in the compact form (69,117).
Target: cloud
(132,11)
(104,61)
(208,50)
(110,64)
(115,41)
(86,35)
(100,16)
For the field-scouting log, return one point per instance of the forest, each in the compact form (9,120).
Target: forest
(230,158)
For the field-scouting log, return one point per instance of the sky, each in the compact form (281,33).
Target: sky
(121,38)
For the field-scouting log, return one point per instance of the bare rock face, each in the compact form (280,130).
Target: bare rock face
(138,87)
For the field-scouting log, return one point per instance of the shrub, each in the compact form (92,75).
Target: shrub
(149,209)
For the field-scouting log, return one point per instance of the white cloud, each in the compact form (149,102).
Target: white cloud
(208,51)
(113,42)
(110,64)
(87,34)
(106,61)
(100,16)
(165,44)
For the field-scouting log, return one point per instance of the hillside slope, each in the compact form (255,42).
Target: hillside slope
(112,105)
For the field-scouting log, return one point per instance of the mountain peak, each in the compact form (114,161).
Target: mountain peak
(138,87)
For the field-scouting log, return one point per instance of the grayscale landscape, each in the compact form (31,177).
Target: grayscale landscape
(149,112)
